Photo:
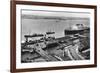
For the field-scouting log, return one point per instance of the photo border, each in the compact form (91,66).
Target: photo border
(13,35)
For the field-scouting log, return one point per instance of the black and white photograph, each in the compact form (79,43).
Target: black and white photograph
(50,36)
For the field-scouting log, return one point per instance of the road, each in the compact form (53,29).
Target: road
(72,52)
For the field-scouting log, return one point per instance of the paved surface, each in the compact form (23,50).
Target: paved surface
(72,53)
